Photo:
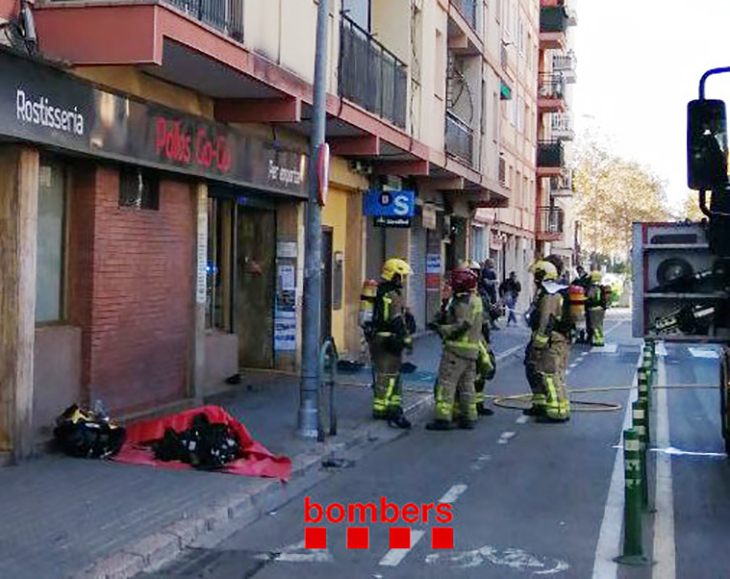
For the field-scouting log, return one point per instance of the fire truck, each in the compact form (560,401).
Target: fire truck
(681,270)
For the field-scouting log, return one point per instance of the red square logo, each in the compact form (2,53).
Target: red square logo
(358,538)
(442,537)
(400,538)
(315,538)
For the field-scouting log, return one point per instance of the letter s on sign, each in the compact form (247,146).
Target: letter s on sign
(401,205)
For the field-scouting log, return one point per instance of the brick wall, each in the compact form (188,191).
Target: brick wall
(131,290)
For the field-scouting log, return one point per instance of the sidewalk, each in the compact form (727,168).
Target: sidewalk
(65,517)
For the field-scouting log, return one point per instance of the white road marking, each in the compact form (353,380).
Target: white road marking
(452,494)
(661,349)
(611,348)
(664,547)
(505,436)
(480,462)
(393,557)
(676,452)
(704,353)
(583,354)
(573,365)
(290,554)
(523,419)
(509,352)
(609,538)
(511,557)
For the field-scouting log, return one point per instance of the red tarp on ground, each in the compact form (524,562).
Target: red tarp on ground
(256,460)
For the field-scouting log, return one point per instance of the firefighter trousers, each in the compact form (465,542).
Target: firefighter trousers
(387,389)
(455,382)
(551,370)
(596,316)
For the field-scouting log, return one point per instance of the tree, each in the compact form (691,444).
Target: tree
(691,207)
(611,193)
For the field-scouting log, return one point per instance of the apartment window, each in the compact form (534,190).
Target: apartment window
(218,303)
(518,187)
(495,119)
(50,271)
(138,188)
(526,191)
(529,50)
(521,37)
(359,11)
(520,112)
(478,243)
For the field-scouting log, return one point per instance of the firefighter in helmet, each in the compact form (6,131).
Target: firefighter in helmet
(596,308)
(486,362)
(547,352)
(460,328)
(391,334)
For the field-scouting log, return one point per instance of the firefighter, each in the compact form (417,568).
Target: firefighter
(461,330)
(390,335)
(595,308)
(486,362)
(547,352)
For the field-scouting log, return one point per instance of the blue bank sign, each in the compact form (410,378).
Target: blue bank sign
(390,208)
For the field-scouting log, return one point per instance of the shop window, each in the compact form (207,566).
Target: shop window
(51,242)
(138,188)
(478,244)
(219,269)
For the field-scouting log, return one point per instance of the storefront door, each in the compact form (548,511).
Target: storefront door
(255,287)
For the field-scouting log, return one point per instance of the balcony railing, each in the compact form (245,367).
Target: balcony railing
(224,15)
(565,64)
(550,154)
(551,220)
(561,126)
(370,75)
(553,19)
(561,185)
(459,138)
(468,9)
(502,172)
(551,86)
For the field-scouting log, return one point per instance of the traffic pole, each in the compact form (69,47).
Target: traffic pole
(633,552)
(312,303)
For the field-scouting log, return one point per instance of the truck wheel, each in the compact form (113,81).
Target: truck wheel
(725,397)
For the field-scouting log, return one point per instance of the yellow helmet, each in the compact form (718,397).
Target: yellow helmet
(596,276)
(395,266)
(544,270)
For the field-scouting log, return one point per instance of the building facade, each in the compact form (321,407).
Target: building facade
(154,187)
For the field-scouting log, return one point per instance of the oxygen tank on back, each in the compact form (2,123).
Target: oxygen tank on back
(367,302)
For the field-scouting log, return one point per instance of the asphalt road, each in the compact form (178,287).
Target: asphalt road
(527,499)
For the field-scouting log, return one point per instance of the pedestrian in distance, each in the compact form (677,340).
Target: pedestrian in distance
(389,335)
(460,328)
(510,290)
(488,288)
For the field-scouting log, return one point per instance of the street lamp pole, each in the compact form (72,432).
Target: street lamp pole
(312,306)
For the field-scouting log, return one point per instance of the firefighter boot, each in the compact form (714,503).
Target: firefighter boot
(483,410)
(466,424)
(397,419)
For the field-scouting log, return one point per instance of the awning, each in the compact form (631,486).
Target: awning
(505,92)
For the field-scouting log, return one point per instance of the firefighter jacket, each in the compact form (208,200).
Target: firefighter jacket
(389,317)
(595,296)
(461,325)
(549,314)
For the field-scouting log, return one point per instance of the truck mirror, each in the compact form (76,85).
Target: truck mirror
(706,145)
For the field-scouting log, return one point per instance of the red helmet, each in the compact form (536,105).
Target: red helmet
(463,280)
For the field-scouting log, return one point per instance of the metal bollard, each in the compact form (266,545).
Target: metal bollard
(639,417)
(633,553)
(644,379)
(328,358)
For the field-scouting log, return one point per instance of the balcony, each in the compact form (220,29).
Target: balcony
(561,126)
(565,64)
(561,185)
(551,92)
(502,172)
(468,10)
(459,139)
(550,157)
(550,224)
(370,75)
(554,22)
(223,15)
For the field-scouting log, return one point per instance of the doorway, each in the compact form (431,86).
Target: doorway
(255,287)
